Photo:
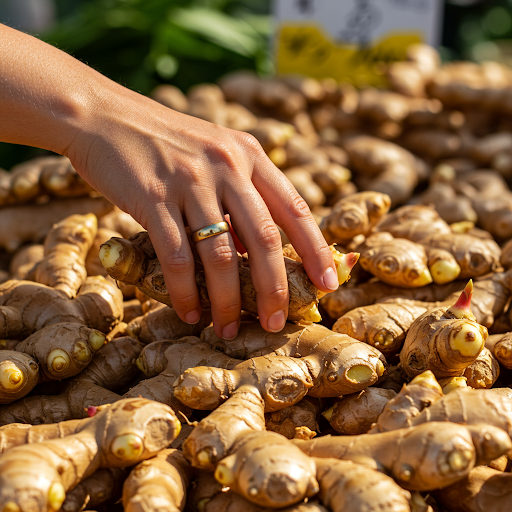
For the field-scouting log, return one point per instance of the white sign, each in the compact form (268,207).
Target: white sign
(316,37)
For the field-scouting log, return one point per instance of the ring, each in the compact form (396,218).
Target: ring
(208,231)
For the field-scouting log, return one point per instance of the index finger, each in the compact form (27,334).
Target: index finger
(292,213)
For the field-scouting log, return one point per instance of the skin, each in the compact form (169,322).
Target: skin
(163,167)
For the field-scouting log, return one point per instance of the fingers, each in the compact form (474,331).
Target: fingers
(292,214)
(259,234)
(167,231)
(220,262)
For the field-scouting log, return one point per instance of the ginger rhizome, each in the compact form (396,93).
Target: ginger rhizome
(102,488)
(494,408)
(349,487)
(303,414)
(27,307)
(208,495)
(63,349)
(210,442)
(396,261)
(352,154)
(448,453)
(19,373)
(164,361)
(383,326)
(484,371)
(65,249)
(312,356)
(500,346)
(39,177)
(400,411)
(355,414)
(163,323)
(483,489)
(158,483)
(111,370)
(33,221)
(121,435)
(267,469)
(354,215)
(278,371)
(134,262)
(445,340)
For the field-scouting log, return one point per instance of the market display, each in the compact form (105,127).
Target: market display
(390,394)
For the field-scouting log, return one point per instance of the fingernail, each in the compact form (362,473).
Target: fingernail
(276,321)
(192,317)
(330,279)
(230,331)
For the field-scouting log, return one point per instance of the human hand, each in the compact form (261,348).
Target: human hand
(170,170)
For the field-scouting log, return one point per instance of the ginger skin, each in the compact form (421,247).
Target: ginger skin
(210,442)
(501,347)
(349,487)
(484,371)
(494,408)
(274,377)
(353,215)
(354,414)
(449,451)
(33,221)
(100,489)
(134,262)
(383,326)
(207,495)
(27,307)
(397,262)
(164,361)
(303,414)
(120,435)
(267,469)
(284,366)
(164,324)
(483,489)
(111,370)
(62,350)
(339,364)
(19,373)
(444,340)
(158,483)
(65,248)
(400,411)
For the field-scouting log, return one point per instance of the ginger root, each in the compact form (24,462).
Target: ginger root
(134,262)
(355,414)
(349,487)
(63,349)
(448,451)
(26,307)
(158,483)
(120,435)
(65,249)
(267,469)
(19,373)
(444,340)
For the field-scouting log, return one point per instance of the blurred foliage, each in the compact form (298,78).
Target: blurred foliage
(141,43)
(478,30)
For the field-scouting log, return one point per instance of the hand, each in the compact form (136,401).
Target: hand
(167,170)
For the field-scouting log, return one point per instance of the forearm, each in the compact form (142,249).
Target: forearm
(46,96)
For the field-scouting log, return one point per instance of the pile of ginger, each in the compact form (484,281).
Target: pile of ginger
(391,394)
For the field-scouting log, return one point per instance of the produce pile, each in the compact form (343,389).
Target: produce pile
(390,394)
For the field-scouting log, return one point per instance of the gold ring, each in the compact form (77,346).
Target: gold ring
(208,231)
